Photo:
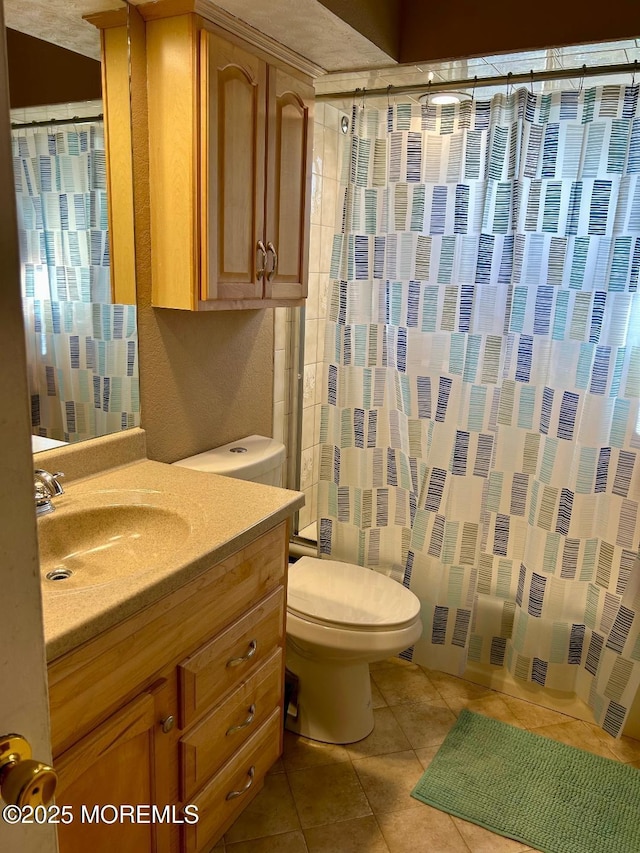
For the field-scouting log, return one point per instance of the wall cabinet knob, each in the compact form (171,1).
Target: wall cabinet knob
(168,723)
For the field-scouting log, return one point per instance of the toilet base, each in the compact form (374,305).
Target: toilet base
(334,700)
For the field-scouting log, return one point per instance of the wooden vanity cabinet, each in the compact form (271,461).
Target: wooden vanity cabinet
(179,705)
(230,134)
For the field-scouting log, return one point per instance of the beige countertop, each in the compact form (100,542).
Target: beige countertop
(199,520)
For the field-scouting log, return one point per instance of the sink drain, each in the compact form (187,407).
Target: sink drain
(59,575)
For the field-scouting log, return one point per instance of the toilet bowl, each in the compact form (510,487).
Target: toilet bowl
(340,617)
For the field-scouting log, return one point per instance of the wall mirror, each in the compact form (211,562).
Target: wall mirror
(71,137)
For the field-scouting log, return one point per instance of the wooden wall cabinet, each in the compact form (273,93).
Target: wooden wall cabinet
(180,705)
(230,147)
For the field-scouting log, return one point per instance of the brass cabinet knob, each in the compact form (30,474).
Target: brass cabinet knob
(23,781)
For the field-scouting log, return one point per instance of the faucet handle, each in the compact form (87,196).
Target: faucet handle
(56,485)
(49,482)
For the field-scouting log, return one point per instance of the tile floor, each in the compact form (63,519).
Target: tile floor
(323,798)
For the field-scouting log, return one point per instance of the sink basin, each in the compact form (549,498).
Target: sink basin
(85,546)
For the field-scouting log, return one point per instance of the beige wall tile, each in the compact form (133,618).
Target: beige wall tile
(306,473)
(331,148)
(326,246)
(314,248)
(308,425)
(318,149)
(309,385)
(316,199)
(304,516)
(310,341)
(313,297)
(279,422)
(279,379)
(329,202)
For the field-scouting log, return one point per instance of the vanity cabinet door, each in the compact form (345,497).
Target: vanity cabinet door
(113,767)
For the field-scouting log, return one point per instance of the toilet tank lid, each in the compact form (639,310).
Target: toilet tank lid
(245,458)
(336,593)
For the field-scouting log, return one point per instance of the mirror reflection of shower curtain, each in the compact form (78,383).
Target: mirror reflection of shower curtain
(479,432)
(81,349)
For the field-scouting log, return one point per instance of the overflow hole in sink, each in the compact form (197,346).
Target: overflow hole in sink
(59,575)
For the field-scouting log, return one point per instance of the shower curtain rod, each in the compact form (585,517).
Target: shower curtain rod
(53,121)
(478,82)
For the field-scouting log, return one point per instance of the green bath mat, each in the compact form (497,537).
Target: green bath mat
(554,797)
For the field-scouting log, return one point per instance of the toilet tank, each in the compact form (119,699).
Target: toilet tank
(256,458)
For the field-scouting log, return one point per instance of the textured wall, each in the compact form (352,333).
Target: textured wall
(205,379)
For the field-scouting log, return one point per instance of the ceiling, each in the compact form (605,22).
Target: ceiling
(306,26)
(59,21)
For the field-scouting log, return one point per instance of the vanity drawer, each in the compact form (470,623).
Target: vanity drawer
(248,765)
(231,656)
(213,741)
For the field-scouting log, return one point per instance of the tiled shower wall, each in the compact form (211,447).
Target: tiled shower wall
(326,206)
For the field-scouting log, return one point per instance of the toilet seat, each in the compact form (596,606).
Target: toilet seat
(336,594)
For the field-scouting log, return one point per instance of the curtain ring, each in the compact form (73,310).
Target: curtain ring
(635,68)
(388,93)
(531,81)
(363,90)
(473,91)
(584,69)
(509,75)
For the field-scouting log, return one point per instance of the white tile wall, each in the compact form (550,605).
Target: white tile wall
(78,109)
(328,146)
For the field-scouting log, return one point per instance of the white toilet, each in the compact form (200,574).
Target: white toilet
(340,617)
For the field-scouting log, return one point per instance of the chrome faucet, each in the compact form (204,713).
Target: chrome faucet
(46,487)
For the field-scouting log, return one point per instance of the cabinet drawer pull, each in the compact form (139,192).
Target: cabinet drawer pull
(253,646)
(263,259)
(244,723)
(274,269)
(233,794)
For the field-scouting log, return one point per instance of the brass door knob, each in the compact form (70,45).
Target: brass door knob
(23,781)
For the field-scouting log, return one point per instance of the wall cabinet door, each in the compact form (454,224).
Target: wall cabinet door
(233,85)
(290,123)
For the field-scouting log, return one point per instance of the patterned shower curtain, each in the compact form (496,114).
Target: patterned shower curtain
(81,349)
(480,429)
